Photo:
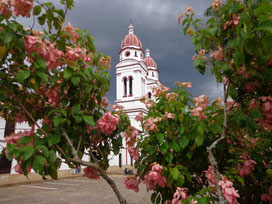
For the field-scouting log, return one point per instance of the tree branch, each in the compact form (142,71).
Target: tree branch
(210,148)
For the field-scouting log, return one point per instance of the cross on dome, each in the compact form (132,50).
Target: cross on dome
(130,29)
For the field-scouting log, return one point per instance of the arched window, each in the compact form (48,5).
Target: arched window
(153,74)
(130,85)
(136,54)
(149,94)
(125,86)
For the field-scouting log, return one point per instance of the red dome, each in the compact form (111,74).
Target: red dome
(149,62)
(131,40)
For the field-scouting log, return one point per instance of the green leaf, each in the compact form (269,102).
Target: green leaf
(22,75)
(67,73)
(58,120)
(266,25)
(41,19)
(39,163)
(53,139)
(37,10)
(44,150)
(76,109)
(169,157)
(38,140)
(42,75)
(89,119)
(164,147)
(201,129)
(199,140)
(24,140)
(174,173)
(27,152)
(52,157)
(52,170)
(76,80)
(175,146)
(183,142)
(181,130)
(160,137)
(8,38)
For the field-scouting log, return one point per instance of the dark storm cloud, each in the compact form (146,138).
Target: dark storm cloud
(155,23)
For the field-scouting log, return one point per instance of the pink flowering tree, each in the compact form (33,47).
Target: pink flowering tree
(201,151)
(56,80)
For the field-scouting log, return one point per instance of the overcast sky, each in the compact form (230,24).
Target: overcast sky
(155,24)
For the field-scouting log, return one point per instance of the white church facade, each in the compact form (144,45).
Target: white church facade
(136,75)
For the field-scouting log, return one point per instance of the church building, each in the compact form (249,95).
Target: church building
(136,75)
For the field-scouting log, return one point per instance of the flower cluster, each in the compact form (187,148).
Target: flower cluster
(267,197)
(131,136)
(217,54)
(157,91)
(267,112)
(74,54)
(228,190)
(18,169)
(53,95)
(184,84)
(71,32)
(14,137)
(171,96)
(155,176)
(104,102)
(105,62)
(139,117)
(181,193)
(200,55)
(22,7)
(200,103)
(234,21)
(187,13)
(91,173)
(107,123)
(117,107)
(131,182)
(210,175)
(150,124)
(247,167)
(44,48)
(134,153)
(5,8)
(216,4)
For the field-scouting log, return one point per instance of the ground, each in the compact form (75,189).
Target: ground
(75,190)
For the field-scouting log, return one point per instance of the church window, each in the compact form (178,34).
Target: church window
(136,54)
(127,53)
(141,56)
(125,86)
(149,94)
(153,74)
(130,85)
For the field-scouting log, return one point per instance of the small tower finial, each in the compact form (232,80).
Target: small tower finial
(147,52)
(130,28)
(130,20)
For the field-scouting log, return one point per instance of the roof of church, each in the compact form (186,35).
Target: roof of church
(131,39)
(149,61)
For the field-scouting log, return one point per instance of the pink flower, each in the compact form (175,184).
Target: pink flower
(210,175)
(74,54)
(218,54)
(72,32)
(180,194)
(200,103)
(88,60)
(19,170)
(20,118)
(157,167)
(91,173)
(180,15)
(228,190)
(139,117)
(131,182)
(148,181)
(150,125)
(5,9)
(107,123)
(267,197)
(184,84)
(216,4)
(156,177)
(247,167)
(189,10)
(169,115)
(22,7)
(104,102)
(134,153)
